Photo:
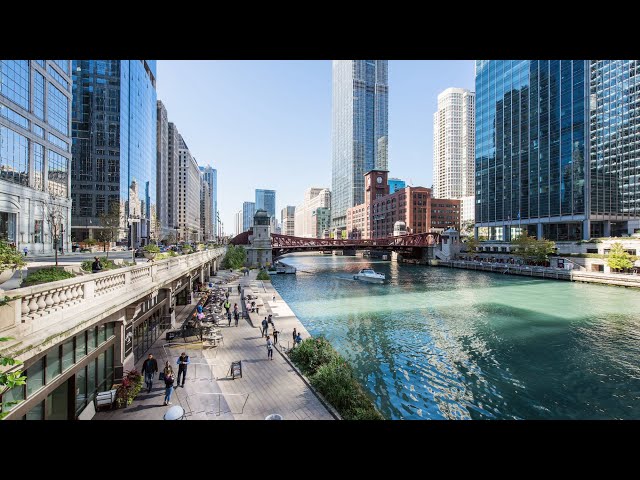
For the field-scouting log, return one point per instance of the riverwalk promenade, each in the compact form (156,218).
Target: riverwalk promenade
(210,393)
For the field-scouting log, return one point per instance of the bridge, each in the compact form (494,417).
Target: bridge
(407,245)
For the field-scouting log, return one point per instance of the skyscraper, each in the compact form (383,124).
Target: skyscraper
(173,167)
(162,171)
(535,119)
(287,219)
(114,144)
(305,221)
(359,130)
(248,211)
(266,200)
(454,144)
(188,195)
(210,175)
(35,100)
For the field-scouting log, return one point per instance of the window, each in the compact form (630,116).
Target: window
(81,389)
(14,81)
(14,157)
(67,354)
(35,377)
(53,364)
(37,231)
(14,117)
(58,174)
(81,346)
(38,167)
(58,142)
(38,95)
(91,340)
(58,78)
(58,110)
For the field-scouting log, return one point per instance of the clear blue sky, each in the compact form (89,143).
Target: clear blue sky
(267,124)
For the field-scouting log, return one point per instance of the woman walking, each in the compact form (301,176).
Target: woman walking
(168,383)
(269,348)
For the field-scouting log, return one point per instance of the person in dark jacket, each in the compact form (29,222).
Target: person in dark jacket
(168,383)
(183,363)
(149,368)
(96,266)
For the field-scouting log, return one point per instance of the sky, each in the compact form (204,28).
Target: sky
(267,124)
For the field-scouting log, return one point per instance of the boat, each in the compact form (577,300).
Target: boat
(368,275)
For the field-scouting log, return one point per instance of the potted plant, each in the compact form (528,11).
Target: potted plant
(186,248)
(150,251)
(10,260)
(200,247)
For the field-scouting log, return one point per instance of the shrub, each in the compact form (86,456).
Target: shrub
(235,257)
(263,275)
(91,241)
(151,248)
(332,376)
(10,258)
(312,353)
(46,275)
(129,388)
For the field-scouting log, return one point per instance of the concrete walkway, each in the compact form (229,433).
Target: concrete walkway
(266,387)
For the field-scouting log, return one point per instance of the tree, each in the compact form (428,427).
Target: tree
(472,244)
(466,229)
(110,223)
(8,380)
(618,258)
(235,257)
(531,249)
(170,239)
(54,216)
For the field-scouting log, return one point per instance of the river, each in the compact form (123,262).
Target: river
(440,343)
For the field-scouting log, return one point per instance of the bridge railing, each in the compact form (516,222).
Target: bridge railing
(415,240)
(33,308)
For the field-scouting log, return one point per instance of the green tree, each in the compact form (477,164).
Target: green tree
(110,223)
(8,380)
(619,259)
(531,249)
(472,244)
(235,257)
(54,216)
(10,258)
(542,249)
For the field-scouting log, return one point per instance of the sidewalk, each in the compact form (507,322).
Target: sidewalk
(267,386)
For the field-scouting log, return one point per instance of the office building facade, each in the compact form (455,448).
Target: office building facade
(266,200)
(396,184)
(237,218)
(359,130)
(173,168)
(248,211)
(188,195)
(35,154)
(162,172)
(304,221)
(210,176)
(287,219)
(114,115)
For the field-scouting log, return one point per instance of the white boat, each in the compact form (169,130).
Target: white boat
(368,275)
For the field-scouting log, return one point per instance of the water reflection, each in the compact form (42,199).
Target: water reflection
(441,343)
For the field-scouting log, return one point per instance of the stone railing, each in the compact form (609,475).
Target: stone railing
(35,305)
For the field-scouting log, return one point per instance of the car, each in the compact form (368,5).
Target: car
(139,252)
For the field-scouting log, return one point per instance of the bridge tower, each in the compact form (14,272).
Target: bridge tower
(259,249)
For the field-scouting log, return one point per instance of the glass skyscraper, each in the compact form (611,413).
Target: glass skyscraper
(266,200)
(35,153)
(114,145)
(557,148)
(359,130)
(248,211)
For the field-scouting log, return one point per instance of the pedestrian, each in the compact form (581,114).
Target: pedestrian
(168,383)
(229,318)
(183,363)
(273,298)
(227,306)
(149,368)
(96,266)
(239,288)
(275,335)
(236,316)
(258,309)
(199,308)
(265,325)
(26,250)
(294,336)
(235,309)
(298,339)
(269,348)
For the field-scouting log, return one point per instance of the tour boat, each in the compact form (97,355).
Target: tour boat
(368,275)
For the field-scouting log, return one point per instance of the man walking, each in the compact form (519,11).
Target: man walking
(149,368)
(227,306)
(294,338)
(265,325)
(26,250)
(183,362)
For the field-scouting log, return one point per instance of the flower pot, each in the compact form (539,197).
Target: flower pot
(6,275)
(186,250)
(149,255)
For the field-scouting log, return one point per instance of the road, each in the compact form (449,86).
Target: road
(81,257)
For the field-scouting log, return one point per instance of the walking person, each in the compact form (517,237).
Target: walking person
(227,306)
(236,315)
(275,335)
(239,288)
(235,309)
(26,250)
(96,266)
(294,338)
(168,383)
(298,339)
(183,363)
(269,348)
(265,325)
(273,298)
(229,318)
(149,368)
